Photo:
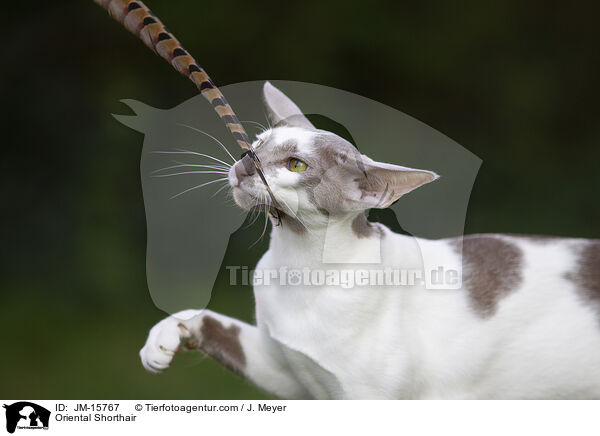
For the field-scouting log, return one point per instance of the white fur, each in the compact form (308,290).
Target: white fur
(544,342)
(302,137)
(410,342)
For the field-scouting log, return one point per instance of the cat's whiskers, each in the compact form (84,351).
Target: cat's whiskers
(181,165)
(266,202)
(267,120)
(254,214)
(225,166)
(190,172)
(212,137)
(267,207)
(262,126)
(225,185)
(257,209)
(184,151)
(198,187)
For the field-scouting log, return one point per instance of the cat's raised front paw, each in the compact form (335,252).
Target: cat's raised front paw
(166,338)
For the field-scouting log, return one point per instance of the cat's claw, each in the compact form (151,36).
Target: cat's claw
(184,331)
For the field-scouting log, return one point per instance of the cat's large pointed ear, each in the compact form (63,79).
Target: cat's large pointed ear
(378,185)
(283,110)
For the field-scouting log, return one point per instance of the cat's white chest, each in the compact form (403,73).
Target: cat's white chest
(323,338)
(332,336)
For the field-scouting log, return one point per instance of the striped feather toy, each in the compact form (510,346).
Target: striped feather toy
(139,20)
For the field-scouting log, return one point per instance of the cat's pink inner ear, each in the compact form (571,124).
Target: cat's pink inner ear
(382,184)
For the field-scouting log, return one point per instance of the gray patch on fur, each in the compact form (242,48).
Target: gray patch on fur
(283,151)
(542,239)
(223,344)
(362,228)
(334,150)
(492,269)
(334,160)
(587,276)
(290,146)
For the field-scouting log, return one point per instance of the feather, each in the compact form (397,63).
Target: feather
(139,20)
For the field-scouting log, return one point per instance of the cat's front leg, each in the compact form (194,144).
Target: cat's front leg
(236,345)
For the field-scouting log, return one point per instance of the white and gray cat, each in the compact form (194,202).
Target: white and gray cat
(524,325)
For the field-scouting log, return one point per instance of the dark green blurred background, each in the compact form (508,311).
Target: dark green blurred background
(515,82)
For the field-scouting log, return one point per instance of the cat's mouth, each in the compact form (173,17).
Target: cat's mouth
(249,200)
(245,197)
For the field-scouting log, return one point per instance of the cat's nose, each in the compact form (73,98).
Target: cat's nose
(244,168)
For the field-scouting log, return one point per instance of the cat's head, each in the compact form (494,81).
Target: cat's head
(314,174)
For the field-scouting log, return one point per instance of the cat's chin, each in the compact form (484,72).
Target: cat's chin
(243,199)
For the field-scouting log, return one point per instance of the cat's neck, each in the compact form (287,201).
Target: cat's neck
(348,234)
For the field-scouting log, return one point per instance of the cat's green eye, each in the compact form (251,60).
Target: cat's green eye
(296,165)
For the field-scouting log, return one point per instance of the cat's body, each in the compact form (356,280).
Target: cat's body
(524,324)
(539,339)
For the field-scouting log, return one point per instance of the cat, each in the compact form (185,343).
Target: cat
(524,323)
